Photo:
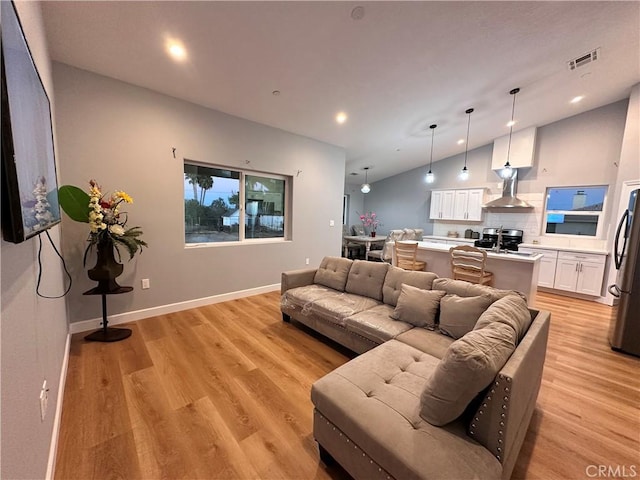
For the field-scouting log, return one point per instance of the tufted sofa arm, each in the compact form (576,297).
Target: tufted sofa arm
(297,278)
(500,422)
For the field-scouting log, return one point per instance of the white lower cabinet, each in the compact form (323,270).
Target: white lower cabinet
(580,273)
(547,273)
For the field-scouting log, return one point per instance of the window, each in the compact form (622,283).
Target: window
(575,211)
(223,205)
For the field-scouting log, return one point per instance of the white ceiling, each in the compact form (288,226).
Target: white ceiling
(402,67)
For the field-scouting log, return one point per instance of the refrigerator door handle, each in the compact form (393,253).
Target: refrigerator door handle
(618,257)
(614,290)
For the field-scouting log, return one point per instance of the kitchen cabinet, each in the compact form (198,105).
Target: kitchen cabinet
(442,204)
(580,273)
(547,272)
(468,205)
(457,204)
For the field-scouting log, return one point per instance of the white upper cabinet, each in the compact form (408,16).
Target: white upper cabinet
(523,145)
(457,204)
(442,202)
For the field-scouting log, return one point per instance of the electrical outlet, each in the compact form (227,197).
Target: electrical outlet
(44,400)
(306,261)
(145,283)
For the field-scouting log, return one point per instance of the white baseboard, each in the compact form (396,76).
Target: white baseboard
(55,434)
(93,324)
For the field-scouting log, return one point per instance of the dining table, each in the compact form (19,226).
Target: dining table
(365,240)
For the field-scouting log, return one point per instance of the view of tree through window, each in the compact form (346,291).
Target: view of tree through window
(574,210)
(224,205)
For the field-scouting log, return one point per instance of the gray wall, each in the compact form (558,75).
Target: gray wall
(579,150)
(122,136)
(34,330)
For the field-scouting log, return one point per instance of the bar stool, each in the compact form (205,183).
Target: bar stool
(406,256)
(468,263)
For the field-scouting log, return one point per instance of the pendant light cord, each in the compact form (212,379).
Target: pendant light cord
(513,92)
(433,131)
(466,147)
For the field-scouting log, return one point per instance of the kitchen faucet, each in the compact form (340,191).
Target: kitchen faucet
(499,241)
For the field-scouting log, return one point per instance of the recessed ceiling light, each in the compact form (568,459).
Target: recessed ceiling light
(577,99)
(460,142)
(341,117)
(176,50)
(511,123)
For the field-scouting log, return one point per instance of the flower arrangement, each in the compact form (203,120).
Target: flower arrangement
(370,221)
(107,223)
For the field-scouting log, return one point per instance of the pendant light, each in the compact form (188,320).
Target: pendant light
(365,187)
(507,170)
(464,173)
(430,178)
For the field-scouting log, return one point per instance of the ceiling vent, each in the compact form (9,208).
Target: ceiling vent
(583,60)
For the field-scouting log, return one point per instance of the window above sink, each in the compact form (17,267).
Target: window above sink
(574,211)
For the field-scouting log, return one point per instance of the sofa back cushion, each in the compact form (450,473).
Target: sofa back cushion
(511,310)
(397,276)
(466,289)
(333,272)
(366,278)
(458,315)
(469,365)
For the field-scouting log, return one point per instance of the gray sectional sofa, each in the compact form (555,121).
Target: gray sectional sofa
(447,379)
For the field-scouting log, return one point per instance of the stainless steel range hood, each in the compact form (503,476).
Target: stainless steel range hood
(509,198)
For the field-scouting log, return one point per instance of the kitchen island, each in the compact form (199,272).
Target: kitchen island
(511,271)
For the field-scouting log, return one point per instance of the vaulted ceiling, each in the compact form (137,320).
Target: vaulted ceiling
(393,67)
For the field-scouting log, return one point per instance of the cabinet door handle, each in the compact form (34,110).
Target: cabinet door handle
(580,267)
(577,268)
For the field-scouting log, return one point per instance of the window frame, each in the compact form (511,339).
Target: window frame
(242,239)
(600,228)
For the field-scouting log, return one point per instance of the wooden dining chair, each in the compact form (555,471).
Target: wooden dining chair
(468,263)
(405,253)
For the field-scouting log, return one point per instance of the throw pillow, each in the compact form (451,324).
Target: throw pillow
(469,365)
(417,306)
(511,310)
(458,315)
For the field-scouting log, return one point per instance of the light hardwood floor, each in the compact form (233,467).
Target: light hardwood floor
(222,391)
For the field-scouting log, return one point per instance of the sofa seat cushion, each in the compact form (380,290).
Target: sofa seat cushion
(337,308)
(366,278)
(376,324)
(333,272)
(302,297)
(396,277)
(427,341)
(375,400)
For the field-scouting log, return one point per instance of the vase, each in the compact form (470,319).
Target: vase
(373,234)
(106,268)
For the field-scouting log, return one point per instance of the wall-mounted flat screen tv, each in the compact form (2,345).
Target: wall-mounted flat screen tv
(29,185)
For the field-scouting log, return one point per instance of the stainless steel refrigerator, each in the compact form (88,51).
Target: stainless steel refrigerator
(624,335)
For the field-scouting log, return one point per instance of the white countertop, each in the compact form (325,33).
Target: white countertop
(443,237)
(511,256)
(597,251)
